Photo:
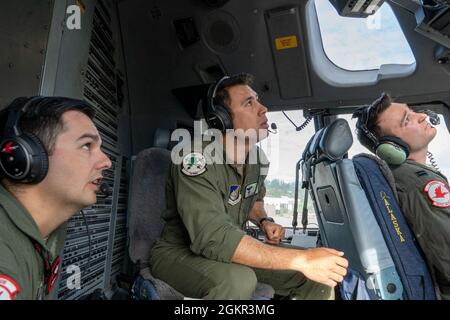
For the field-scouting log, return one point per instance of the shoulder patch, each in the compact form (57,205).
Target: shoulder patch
(8,288)
(438,193)
(194,164)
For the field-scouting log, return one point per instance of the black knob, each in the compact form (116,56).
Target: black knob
(391,288)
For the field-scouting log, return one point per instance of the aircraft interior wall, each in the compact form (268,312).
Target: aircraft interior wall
(25,30)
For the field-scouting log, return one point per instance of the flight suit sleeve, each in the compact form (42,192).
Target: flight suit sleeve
(11,285)
(201,208)
(261,192)
(263,171)
(431,225)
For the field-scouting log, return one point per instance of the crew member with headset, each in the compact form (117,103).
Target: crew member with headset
(204,251)
(401,137)
(50,167)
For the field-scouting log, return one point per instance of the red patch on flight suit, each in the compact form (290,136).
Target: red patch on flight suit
(439,194)
(8,288)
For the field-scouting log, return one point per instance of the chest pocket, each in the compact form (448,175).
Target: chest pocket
(239,194)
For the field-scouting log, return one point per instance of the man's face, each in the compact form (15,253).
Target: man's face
(76,163)
(400,121)
(247,112)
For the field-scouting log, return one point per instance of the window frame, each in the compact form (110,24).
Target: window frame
(337,76)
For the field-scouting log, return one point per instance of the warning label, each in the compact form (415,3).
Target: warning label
(286,42)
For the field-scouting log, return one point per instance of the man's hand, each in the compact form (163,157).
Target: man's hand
(324,265)
(274,232)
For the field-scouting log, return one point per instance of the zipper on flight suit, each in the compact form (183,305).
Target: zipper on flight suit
(41,290)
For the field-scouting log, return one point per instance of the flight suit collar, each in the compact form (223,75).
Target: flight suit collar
(20,216)
(239,168)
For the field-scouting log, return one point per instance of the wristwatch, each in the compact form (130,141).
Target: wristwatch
(265,219)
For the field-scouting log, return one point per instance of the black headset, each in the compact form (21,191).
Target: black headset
(391,149)
(216,115)
(23,157)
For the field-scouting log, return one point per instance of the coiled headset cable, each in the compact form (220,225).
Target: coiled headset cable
(433,161)
(303,125)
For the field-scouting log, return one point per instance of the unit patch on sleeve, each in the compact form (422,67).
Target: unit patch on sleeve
(234,196)
(438,193)
(194,164)
(8,288)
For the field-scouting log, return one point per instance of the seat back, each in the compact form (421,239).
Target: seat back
(162,138)
(147,201)
(407,257)
(347,214)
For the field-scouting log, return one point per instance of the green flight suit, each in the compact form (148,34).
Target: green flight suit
(204,221)
(425,201)
(20,263)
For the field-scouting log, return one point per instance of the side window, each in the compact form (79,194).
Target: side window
(357,44)
(437,147)
(283,151)
(352,52)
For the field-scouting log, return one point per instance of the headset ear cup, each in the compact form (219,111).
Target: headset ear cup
(225,117)
(391,153)
(392,150)
(39,158)
(219,119)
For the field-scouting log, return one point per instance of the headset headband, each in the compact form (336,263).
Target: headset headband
(213,92)
(364,114)
(12,128)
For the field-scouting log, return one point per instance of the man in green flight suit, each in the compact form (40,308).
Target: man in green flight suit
(423,191)
(50,167)
(204,251)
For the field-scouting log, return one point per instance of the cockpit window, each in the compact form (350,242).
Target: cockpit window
(358,44)
(283,151)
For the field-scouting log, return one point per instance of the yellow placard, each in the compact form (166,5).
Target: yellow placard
(286,42)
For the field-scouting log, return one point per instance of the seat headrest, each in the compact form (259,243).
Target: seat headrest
(313,144)
(336,140)
(331,142)
(161,138)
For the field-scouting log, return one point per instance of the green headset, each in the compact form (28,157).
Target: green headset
(391,149)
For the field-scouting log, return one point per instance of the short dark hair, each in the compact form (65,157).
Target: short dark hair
(375,109)
(43,116)
(223,96)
